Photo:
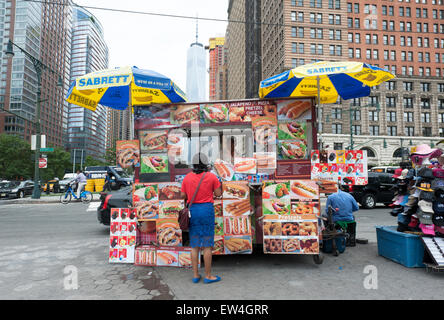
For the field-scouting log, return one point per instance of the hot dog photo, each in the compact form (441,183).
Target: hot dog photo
(304,189)
(245,165)
(235,190)
(169,191)
(223,169)
(292,110)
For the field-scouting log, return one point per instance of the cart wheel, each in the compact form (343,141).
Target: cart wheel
(318,258)
(336,252)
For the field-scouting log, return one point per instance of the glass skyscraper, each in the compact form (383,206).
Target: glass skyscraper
(87,129)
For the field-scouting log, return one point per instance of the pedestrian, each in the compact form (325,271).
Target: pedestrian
(201,227)
(107,185)
(343,205)
(81,182)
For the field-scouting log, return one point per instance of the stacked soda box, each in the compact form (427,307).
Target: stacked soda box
(233,231)
(291,211)
(123,228)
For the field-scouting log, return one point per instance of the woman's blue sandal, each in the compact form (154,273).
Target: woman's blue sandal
(212,280)
(196,280)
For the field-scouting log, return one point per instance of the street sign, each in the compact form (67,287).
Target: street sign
(42,141)
(43,163)
(46,149)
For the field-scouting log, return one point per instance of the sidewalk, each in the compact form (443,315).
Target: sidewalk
(43,199)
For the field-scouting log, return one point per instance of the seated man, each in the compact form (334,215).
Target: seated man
(344,205)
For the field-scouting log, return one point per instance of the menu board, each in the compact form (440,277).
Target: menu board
(291,211)
(123,226)
(232,230)
(345,166)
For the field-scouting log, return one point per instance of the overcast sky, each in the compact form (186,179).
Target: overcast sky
(153,42)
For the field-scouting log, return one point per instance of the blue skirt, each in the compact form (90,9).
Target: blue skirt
(201,226)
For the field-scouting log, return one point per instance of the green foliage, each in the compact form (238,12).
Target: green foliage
(58,162)
(16,159)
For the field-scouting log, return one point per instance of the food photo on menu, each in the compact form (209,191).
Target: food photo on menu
(292,149)
(185,114)
(153,140)
(214,113)
(128,154)
(289,110)
(154,163)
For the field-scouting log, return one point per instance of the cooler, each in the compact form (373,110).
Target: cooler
(404,248)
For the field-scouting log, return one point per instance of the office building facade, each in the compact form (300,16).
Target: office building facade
(87,129)
(404,37)
(43,30)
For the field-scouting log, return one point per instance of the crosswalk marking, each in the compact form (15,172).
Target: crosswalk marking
(93,206)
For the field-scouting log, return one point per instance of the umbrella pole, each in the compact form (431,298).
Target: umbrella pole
(318,120)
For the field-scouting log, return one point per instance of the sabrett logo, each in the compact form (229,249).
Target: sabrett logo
(102,80)
(325,70)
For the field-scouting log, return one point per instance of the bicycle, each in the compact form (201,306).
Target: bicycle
(85,196)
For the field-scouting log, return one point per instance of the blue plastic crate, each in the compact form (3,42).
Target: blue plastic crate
(327,245)
(404,248)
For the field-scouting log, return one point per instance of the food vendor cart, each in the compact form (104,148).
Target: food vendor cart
(260,149)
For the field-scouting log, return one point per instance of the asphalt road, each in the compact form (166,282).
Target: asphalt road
(54,251)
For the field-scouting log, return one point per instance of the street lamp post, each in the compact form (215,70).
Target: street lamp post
(39,67)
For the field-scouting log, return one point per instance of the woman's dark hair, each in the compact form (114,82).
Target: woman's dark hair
(200,163)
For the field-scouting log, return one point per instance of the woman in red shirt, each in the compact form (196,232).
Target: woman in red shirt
(201,228)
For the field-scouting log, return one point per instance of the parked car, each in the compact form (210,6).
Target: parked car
(16,189)
(67,178)
(378,190)
(114,199)
(384,169)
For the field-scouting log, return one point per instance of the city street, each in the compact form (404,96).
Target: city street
(47,247)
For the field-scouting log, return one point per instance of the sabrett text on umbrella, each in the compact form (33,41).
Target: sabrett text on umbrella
(83,100)
(325,70)
(103,80)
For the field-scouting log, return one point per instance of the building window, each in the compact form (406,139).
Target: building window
(408,116)
(336,128)
(409,131)
(356,115)
(425,86)
(425,117)
(336,113)
(440,87)
(408,86)
(374,130)
(407,102)
(356,129)
(392,131)
(441,132)
(391,116)
(391,85)
(441,117)
(425,103)
(373,115)
(441,104)
(427,131)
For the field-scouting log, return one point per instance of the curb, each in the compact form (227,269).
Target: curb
(36,202)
